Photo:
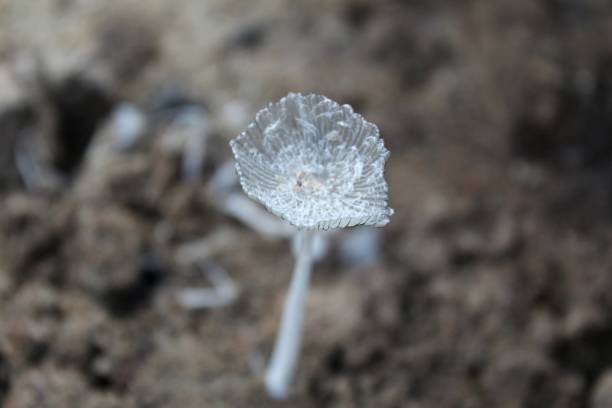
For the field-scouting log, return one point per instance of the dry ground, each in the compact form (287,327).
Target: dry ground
(491,286)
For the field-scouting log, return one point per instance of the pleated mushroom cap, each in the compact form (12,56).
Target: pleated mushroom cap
(314,163)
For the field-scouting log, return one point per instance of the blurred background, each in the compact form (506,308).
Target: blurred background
(134,273)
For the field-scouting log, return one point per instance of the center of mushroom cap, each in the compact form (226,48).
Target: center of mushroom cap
(321,181)
(310,183)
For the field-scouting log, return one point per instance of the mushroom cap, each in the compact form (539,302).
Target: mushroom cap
(314,163)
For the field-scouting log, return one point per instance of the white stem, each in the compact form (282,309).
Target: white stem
(284,357)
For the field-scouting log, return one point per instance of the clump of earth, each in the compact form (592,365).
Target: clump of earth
(489,288)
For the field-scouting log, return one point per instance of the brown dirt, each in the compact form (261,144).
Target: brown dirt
(492,286)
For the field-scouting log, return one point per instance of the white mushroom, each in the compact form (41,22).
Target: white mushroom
(318,165)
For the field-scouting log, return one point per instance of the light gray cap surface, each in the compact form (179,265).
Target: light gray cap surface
(314,163)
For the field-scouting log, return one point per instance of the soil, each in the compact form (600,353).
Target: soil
(491,286)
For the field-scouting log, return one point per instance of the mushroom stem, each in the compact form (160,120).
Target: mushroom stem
(284,357)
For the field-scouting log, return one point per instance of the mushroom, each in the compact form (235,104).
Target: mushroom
(318,165)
